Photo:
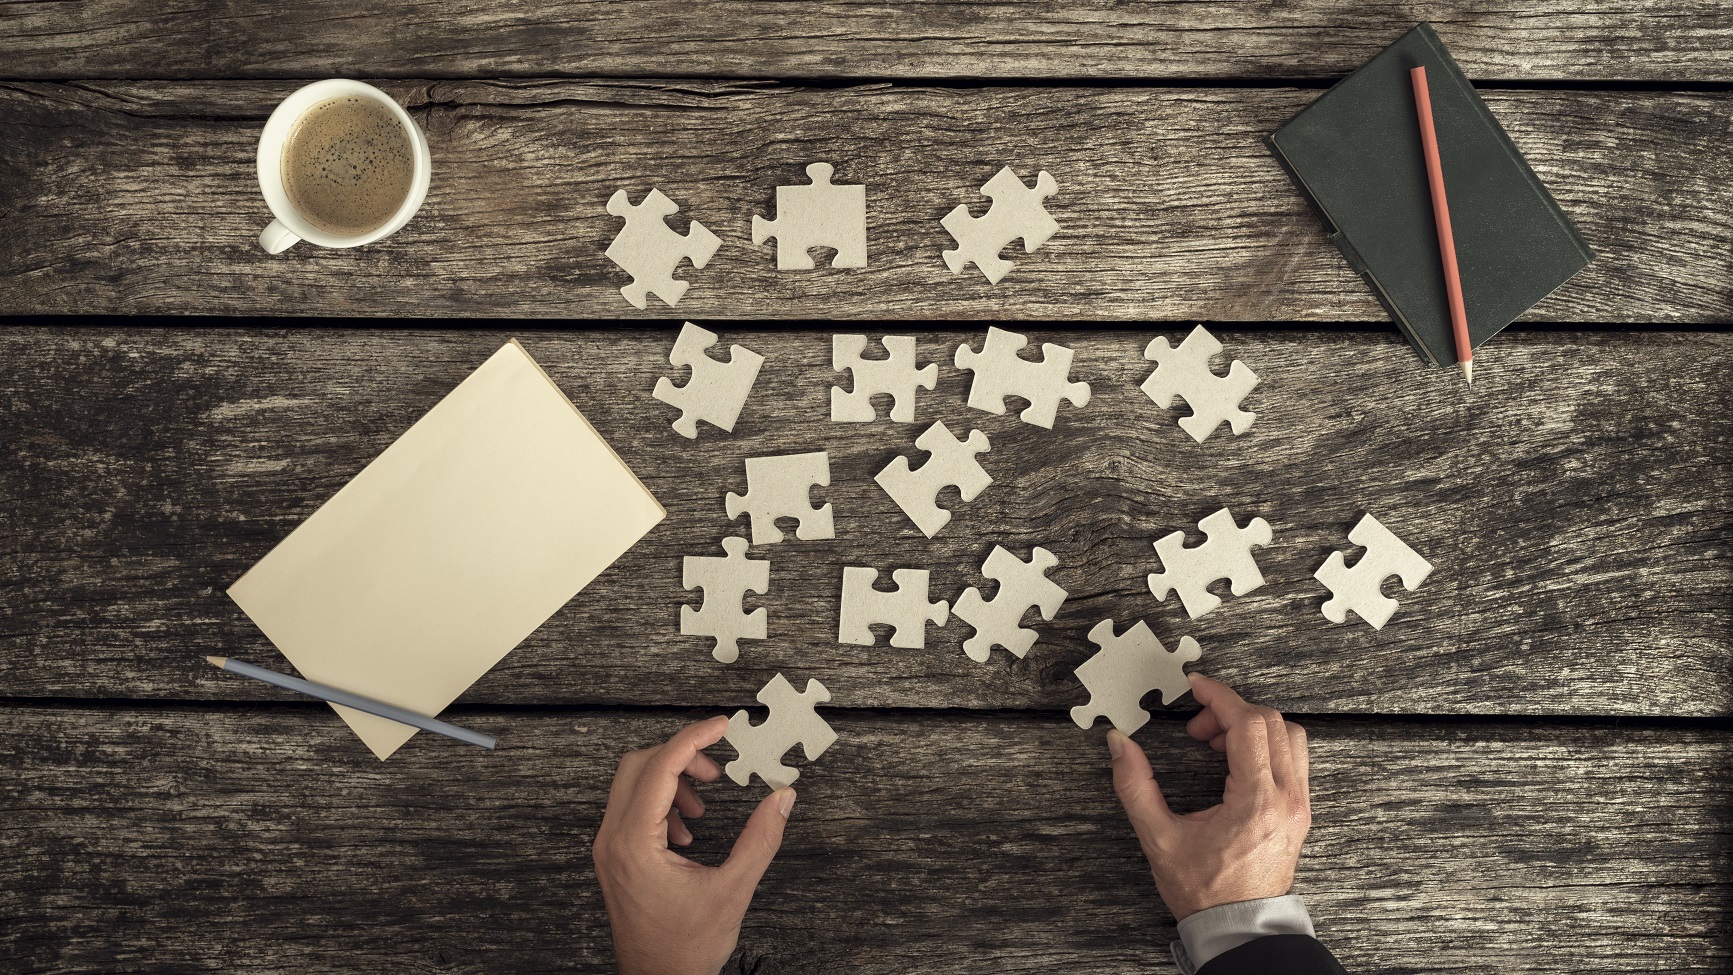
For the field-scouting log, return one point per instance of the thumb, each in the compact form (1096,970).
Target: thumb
(761,838)
(1134,783)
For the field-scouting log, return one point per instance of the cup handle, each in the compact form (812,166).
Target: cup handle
(277,238)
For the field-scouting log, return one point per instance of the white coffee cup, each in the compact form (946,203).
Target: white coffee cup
(290,226)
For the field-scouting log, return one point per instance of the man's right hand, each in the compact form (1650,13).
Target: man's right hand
(1244,848)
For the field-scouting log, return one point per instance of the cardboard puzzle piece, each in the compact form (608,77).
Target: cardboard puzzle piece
(1021,585)
(1185,372)
(725,581)
(1128,666)
(779,487)
(952,461)
(649,250)
(1227,554)
(906,608)
(1017,211)
(793,721)
(896,374)
(716,390)
(819,215)
(1001,372)
(1357,587)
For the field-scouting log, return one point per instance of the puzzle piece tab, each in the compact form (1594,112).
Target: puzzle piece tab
(1017,211)
(1226,555)
(1128,666)
(1001,372)
(1357,587)
(726,582)
(793,721)
(650,251)
(820,215)
(906,609)
(1185,372)
(778,487)
(716,391)
(896,374)
(1021,586)
(953,461)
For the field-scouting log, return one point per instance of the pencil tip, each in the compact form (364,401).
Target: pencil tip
(1468,370)
(217,661)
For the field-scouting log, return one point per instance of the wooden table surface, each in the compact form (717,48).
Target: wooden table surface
(1526,771)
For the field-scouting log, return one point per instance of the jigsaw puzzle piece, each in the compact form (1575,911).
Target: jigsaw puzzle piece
(952,461)
(1001,372)
(1185,372)
(779,487)
(1226,554)
(1022,585)
(1017,211)
(895,374)
(649,250)
(1357,588)
(725,582)
(793,721)
(1127,667)
(906,608)
(819,215)
(716,390)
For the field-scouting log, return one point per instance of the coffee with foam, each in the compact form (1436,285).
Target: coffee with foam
(348,165)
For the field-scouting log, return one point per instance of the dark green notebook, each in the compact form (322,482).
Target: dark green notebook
(1355,154)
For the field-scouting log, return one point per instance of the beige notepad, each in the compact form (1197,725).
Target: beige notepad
(450,548)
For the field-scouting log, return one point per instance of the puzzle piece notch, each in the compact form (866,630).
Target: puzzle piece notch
(1022,585)
(779,487)
(649,250)
(1185,372)
(1017,211)
(725,582)
(1001,372)
(820,215)
(906,608)
(1128,666)
(793,721)
(1227,554)
(895,374)
(716,390)
(1357,587)
(951,461)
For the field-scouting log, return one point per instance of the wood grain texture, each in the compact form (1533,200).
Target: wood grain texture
(136,198)
(1598,40)
(1576,503)
(240,839)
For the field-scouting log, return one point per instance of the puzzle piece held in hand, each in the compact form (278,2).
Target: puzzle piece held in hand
(1185,372)
(953,461)
(819,215)
(778,487)
(1021,586)
(1017,211)
(726,582)
(1128,666)
(906,609)
(716,391)
(1226,555)
(896,374)
(1357,587)
(793,721)
(1001,372)
(649,251)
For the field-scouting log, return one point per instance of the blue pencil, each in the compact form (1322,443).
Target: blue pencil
(355,701)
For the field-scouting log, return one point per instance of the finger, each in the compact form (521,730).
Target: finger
(678,834)
(1281,753)
(703,767)
(1221,707)
(1134,783)
(660,779)
(625,780)
(1248,763)
(1301,746)
(760,840)
(686,800)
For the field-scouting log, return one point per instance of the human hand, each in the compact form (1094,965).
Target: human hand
(1247,846)
(671,916)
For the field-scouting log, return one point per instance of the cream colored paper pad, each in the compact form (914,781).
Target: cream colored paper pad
(450,548)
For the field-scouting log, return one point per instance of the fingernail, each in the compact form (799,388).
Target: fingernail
(787,802)
(1115,743)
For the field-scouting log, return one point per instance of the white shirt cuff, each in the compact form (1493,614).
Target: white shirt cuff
(1221,929)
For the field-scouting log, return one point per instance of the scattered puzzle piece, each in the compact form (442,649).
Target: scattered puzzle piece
(650,251)
(1226,555)
(820,215)
(1001,372)
(1127,667)
(1357,587)
(906,608)
(778,487)
(793,721)
(716,391)
(1021,585)
(1017,211)
(1185,372)
(953,461)
(725,582)
(896,374)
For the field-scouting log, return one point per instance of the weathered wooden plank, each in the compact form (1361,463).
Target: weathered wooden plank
(1576,504)
(135,198)
(958,843)
(1600,40)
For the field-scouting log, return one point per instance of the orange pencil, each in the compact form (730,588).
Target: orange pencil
(1441,217)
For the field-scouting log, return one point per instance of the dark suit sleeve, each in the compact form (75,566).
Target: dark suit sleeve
(1276,954)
